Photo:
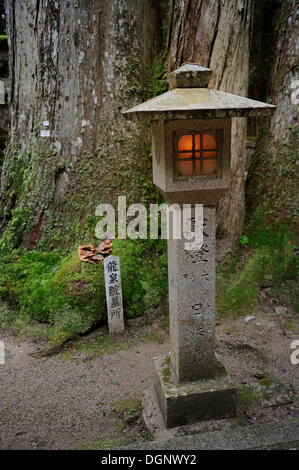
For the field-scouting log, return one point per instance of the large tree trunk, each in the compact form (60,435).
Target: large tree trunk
(216,34)
(273,178)
(75,64)
(285,73)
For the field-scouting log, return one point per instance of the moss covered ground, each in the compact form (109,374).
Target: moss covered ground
(264,258)
(127,426)
(67,296)
(57,297)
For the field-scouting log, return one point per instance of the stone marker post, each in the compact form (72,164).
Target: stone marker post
(114,295)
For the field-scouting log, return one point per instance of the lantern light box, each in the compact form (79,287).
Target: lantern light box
(191,135)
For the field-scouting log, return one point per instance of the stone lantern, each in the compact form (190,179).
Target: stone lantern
(191,148)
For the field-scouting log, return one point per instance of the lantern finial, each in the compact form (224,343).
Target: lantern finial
(189,76)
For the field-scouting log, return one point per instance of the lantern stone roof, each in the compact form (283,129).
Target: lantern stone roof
(198,103)
(189,98)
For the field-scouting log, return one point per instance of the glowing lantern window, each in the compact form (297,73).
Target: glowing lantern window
(196,155)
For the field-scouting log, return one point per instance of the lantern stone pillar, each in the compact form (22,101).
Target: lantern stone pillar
(190,382)
(191,145)
(191,275)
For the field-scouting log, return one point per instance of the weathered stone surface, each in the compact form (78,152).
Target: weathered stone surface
(189,76)
(189,402)
(190,383)
(191,276)
(154,421)
(283,434)
(152,416)
(114,294)
(271,392)
(198,103)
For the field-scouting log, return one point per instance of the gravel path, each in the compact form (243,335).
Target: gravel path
(51,404)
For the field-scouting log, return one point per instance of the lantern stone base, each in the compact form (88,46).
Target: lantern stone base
(189,402)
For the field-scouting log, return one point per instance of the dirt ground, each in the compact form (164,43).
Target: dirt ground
(59,402)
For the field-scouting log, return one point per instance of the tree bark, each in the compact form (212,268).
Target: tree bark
(75,64)
(284,74)
(216,34)
(273,179)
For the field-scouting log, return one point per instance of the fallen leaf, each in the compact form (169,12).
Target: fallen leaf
(94,254)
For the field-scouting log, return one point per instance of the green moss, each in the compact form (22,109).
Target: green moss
(272,186)
(242,295)
(166,370)
(220,369)
(27,190)
(103,343)
(266,382)
(128,406)
(114,435)
(270,261)
(287,293)
(289,325)
(32,213)
(70,295)
(156,79)
(106,442)
(166,375)
(272,190)
(246,396)
(167,360)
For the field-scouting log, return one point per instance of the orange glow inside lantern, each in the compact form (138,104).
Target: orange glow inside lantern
(197,155)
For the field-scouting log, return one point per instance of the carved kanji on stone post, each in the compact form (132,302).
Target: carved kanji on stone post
(114,295)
